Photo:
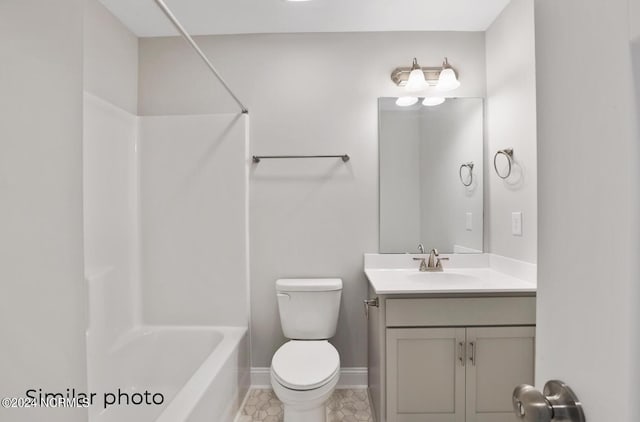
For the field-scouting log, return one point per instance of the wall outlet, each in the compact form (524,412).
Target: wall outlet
(516,223)
(469,221)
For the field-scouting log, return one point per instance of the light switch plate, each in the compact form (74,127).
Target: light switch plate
(469,222)
(516,223)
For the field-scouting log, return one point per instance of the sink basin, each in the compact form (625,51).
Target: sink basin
(450,279)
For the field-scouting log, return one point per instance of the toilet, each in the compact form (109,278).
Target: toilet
(305,370)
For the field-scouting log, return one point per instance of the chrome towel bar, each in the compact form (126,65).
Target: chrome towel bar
(258,158)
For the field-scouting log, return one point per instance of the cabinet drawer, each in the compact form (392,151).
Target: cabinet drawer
(426,312)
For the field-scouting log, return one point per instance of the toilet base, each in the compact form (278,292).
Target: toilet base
(305,406)
(319,414)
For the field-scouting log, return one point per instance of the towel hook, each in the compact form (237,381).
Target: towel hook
(468,165)
(507,152)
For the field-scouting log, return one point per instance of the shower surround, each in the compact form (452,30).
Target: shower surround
(165,223)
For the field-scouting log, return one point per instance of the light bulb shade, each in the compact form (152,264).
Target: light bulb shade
(447,80)
(432,101)
(406,101)
(416,81)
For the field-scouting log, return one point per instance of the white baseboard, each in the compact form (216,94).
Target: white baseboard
(353,377)
(260,377)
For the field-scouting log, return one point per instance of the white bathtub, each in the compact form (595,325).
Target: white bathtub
(201,372)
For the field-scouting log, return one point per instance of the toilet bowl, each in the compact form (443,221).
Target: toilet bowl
(304,374)
(306,369)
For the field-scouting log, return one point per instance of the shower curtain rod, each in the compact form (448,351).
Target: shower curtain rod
(195,46)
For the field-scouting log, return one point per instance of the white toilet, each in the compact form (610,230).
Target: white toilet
(305,370)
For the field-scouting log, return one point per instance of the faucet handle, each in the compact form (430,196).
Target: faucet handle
(439,263)
(423,263)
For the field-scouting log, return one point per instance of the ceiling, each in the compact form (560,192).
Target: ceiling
(203,17)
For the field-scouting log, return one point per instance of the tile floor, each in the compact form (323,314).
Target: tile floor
(344,406)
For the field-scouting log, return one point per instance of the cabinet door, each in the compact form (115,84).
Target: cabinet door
(425,375)
(498,359)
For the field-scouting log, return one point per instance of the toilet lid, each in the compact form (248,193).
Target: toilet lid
(305,365)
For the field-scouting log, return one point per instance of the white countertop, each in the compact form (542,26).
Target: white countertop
(386,278)
(477,280)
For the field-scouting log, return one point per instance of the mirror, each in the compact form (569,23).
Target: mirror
(427,157)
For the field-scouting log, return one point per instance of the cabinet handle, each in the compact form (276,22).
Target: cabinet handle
(472,356)
(461,357)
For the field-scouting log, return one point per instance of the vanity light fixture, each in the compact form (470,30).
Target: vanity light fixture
(433,101)
(406,101)
(444,77)
(448,80)
(416,81)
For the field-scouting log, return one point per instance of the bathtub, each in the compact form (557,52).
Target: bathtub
(202,374)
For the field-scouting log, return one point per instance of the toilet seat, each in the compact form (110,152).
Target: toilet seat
(305,365)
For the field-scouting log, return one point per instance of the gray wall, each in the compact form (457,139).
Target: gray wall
(110,129)
(110,58)
(193,219)
(511,123)
(634,19)
(43,295)
(634,23)
(589,182)
(307,94)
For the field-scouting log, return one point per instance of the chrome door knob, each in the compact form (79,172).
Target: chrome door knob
(530,405)
(557,403)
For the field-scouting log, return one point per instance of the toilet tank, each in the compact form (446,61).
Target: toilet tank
(309,307)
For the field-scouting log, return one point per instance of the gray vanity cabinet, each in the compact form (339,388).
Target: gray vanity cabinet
(425,378)
(451,359)
(456,374)
(503,357)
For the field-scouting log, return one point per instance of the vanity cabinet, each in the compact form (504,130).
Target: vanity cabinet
(425,380)
(450,359)
(456,374)
(501,358)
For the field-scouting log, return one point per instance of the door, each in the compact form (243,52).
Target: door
(588,327)
(498,359)
(425,375)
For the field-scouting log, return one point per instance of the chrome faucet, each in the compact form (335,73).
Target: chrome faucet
(433,264)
